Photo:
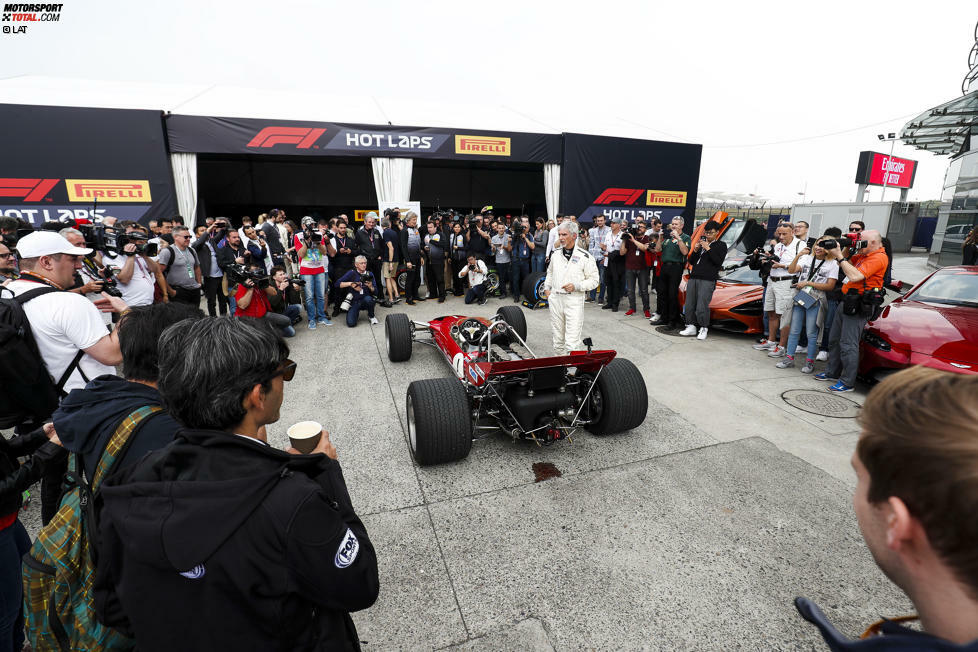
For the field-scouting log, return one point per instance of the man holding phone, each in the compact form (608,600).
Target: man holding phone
(706,259)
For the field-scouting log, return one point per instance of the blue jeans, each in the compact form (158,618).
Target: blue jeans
(353,314)
(809,318)
(315,294)
(595,293)
(827,325)
(232,304)
(520,269)
(538,263)
(14,543)
(475,293)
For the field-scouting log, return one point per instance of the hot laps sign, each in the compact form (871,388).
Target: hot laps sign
(881,170)
(632,203)
(354,140)
(81,191)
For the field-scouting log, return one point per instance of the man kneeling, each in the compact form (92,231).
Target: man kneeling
(219,541)
(916,498)
(359,285)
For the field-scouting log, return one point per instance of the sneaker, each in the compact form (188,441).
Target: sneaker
(801,349)
(822,356)
(421,298)
(764,345)
(841,387)
(629,312)
(786,363)
(606,306)
(441,299)
(776,351)
(689,331)
(325,322)
(588,300)
(655,318)
(385,304)
(702,333)
(410,302)
(824,376)
(312,325)
(647,315)
(809,366)
(483,300)
(373,321)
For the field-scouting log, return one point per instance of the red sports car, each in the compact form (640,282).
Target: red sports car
(935,324)
(500,384)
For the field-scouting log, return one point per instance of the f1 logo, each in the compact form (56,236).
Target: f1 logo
(627,196)
(301,137)
(27,189)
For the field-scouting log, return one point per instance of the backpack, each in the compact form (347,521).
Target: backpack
(35,395)
(59,568)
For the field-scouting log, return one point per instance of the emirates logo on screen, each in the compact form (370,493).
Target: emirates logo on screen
(301,137)
(27,189)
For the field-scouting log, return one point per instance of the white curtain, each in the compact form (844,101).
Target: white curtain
(551,187)
(185,181)
(392,178)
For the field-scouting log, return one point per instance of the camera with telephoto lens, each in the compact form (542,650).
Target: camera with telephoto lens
(761,260)
(313,237)
(239,274)
(517,228)
(366,278)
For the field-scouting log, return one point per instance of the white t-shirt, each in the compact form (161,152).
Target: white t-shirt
(612,242)
(139,290)
(786,253)
(63,323)
(477,277)
(824,269)
(553,240)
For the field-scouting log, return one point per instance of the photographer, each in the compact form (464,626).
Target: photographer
(477,271)
(370,244)
(89,280)
(344,248)
(276,247)
(285,295)
(255,242)
(614,263)
(251,299)
(779,293)
(411,250)
(8,264)
(706,261)
(137,275)
(312,250)
(523,247)
(459,257)
(358,287)
(598,250)
(477,239)
(435,246)
(281,559)
(501,247)
(206,246)
(673,245)
(862,294)
(181,269)
(634,245)
(541,236)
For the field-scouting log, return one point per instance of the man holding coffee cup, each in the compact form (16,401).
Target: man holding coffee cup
(244,545)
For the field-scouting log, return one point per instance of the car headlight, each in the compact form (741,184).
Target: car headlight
(875,341)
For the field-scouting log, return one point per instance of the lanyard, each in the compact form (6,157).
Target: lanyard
(812,271)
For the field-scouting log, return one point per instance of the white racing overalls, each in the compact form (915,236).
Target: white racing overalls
(567,308)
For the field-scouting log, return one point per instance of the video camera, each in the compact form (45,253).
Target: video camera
(239,274)
(115,241)
(517,227)
(761,260)
(312,236)
(850,240)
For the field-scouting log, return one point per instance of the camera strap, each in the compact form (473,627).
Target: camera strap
(813,270)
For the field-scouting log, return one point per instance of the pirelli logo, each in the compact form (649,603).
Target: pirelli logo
(673,198)
(482,145)
(108,190)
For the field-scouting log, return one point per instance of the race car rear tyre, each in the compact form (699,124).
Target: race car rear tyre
(533,286)
(620,399)
(513,315)
(397,333)
(401,281)
(439,421)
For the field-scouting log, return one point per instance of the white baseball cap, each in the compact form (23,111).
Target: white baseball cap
(46,243)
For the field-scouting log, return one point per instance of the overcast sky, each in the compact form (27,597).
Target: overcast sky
(733,76)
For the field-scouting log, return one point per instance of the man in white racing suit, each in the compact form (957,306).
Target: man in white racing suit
(572,273)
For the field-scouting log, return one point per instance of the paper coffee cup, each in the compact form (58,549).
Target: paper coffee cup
(305,435)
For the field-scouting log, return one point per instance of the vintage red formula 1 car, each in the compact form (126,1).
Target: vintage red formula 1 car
(500,384)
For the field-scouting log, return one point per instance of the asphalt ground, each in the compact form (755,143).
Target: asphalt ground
(694,531)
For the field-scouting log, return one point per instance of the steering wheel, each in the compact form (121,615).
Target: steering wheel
(472,330)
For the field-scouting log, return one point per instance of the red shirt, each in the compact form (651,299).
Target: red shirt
(873,267)
(259,303)
(635,257)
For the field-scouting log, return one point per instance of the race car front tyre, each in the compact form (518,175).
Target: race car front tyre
(439,421)
(513,315)
(397,334)
(533,286)
(620,400)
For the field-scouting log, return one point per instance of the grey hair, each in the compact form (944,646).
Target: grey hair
(681,220)
(568,227)
(180,227)
(409,215)
(359,258)
(207,367)
(65,232)
(386,222)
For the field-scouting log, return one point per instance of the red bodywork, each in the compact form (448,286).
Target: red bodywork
(477,373)
(922,333)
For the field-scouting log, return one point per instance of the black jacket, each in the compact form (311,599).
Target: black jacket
(226,256)
(272,237)
(87,418)
(219,542)
(406,253)
(371,245)
(892,637)
(204,252)
(708,267)
(15,478)
(969,255)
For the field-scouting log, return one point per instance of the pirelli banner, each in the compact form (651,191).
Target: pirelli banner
(67,162)
(628,178)
(204,135)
